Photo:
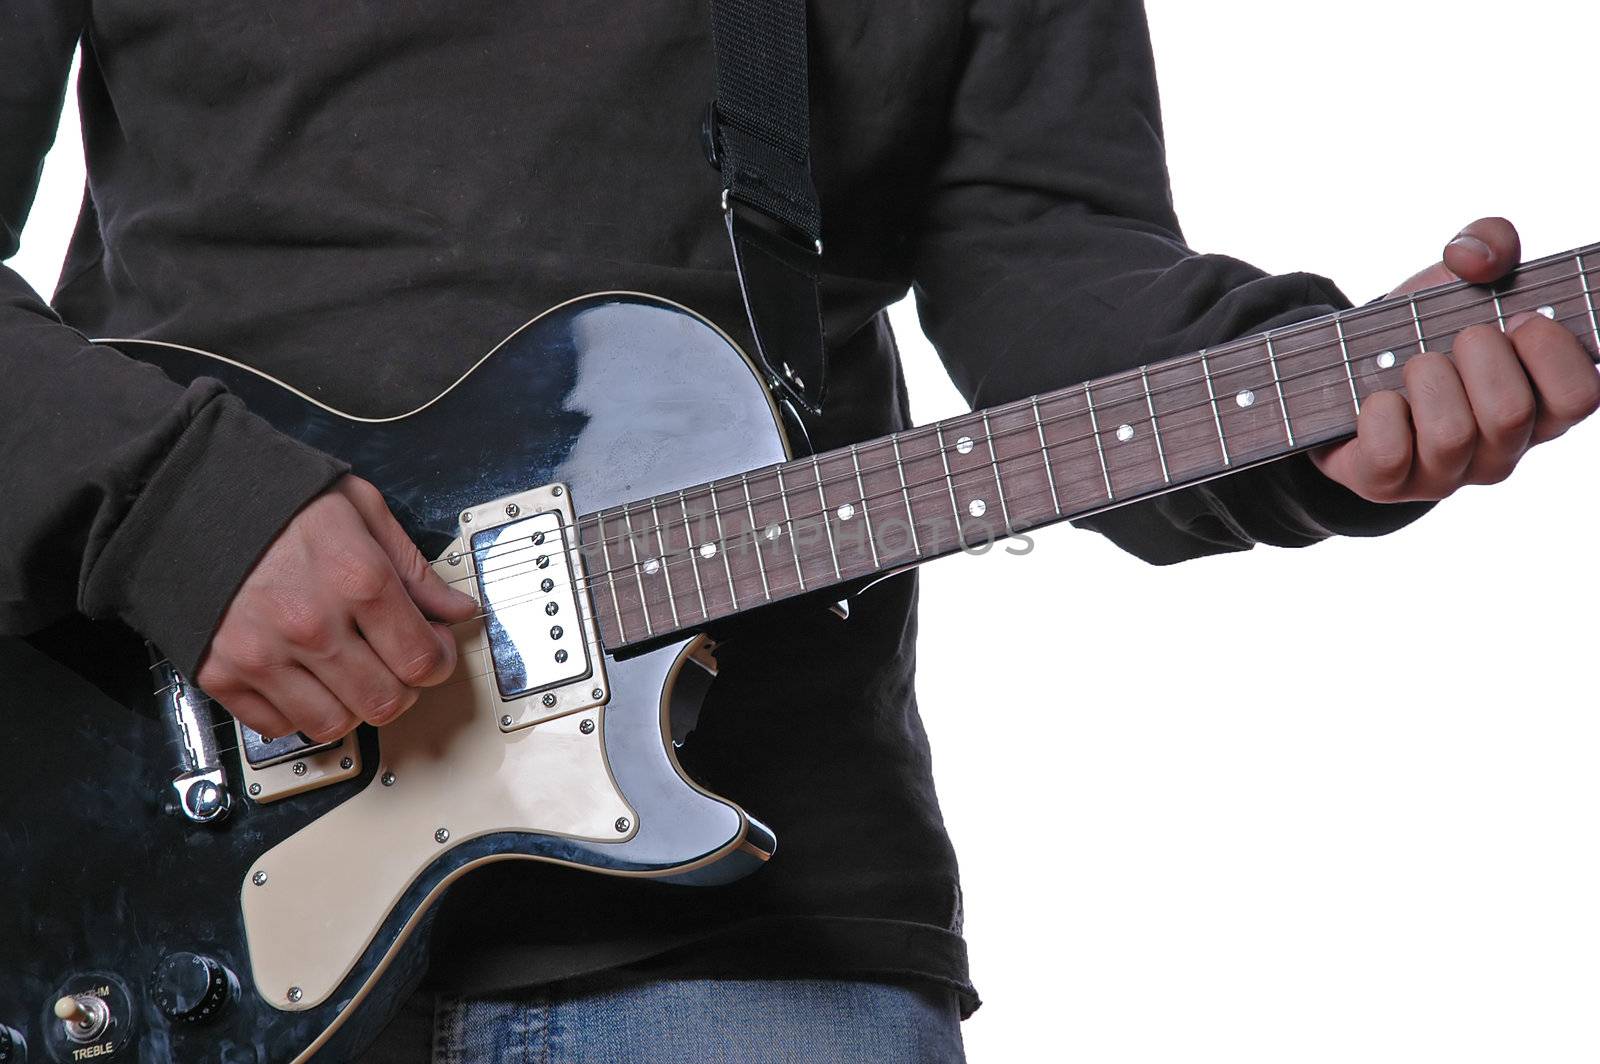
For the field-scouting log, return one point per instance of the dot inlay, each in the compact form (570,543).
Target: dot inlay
(708,550)
(977,507)
(772,532)
(846,512)
(1124,433)
(1386,360)
(1245,398)
(1549,312)
(651,567)
(964,445)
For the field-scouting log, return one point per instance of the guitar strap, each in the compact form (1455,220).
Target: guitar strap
(757,133)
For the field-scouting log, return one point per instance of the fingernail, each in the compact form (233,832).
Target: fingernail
(1474,245)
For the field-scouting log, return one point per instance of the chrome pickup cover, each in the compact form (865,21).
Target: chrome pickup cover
(542,638)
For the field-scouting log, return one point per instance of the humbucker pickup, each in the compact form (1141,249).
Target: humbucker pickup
(542,637)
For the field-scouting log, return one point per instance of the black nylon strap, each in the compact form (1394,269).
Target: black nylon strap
(758,136)
(763,111)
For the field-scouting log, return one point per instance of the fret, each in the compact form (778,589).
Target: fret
(780,569)
(866,514)
(949,481)
(930,495)
(1344,356)
(1094,425)
(1021,472)
(724,547)
(1277,382)
(1385,339)
(1450,311)
(664,562)
(892,525)
(1080,479)
(1155,429)
(847,512)
(638,573)
(1242,379)
(1500,310)
(743,543)
(1588,299)
(1183,409)
(1550,289)
(1416,319)
(1216,412)
(975,489)
(1044,451)
(827,525)
(788,522)
(690,549)
(1126,435)
(1316,380)
(994,462)
(605,562)
(900,468)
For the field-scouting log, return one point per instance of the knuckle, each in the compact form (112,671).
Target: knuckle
(424,662)
(385,708)
(1453,438)
(362,580)
(308,629)
(1576,401)
(1510,417)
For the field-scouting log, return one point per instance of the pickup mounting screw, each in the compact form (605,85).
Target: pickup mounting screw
(346,762)
(586,726)
(299,768)
(597,694)
(441,836)
(255,789)
(549,701)
(556,491)
(295,993)
(259,879)
(505,720)
(388,779)
(512,509)
(623,823)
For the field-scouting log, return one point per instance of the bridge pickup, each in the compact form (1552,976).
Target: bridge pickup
(260,752)
(541,633)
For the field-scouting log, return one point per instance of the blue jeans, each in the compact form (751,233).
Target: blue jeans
(695,1021)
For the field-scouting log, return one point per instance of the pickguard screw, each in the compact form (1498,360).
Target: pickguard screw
(505,721)
(441,835)
(466,518)
(259,879)
(388,779)
(623,823)
(299,768)
(255,789)
(345,762)
(556,491)
(295,993)
(512,509)
(586,727)
(597,694)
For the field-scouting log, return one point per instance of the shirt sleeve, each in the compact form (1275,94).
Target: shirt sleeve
(126,495)
(1049,254)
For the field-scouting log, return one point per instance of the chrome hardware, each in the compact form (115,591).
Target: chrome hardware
(622,824)
(84,1017)
(388,779)
(295,993)
(259,879)
(441,836)
(586,727)
(201,785)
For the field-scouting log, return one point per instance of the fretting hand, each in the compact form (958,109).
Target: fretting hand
(1470,416)
(335,624)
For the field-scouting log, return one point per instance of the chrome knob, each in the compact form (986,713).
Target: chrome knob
(192,988)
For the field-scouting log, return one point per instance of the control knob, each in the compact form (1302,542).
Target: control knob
(13,1050)
(192,988)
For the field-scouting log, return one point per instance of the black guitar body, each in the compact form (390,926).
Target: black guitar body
(618,397)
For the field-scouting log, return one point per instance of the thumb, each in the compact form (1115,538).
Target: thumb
(434,597)
(1482,253)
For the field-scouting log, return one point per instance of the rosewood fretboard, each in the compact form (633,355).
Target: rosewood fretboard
(675,562)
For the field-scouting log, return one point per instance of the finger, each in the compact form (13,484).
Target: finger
(308,705)
(1502,402)
(1565,382)
(426,587)
(1484,251)
(362,683)
(1446,431)
(389,621)
(1376,465)
(258,713)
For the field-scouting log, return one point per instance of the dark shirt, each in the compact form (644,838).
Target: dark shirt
(359,199)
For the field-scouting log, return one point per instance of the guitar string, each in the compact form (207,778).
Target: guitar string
(905,497)
(701,492)
(1058,446)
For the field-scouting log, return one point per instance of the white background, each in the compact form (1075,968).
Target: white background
(1325,805)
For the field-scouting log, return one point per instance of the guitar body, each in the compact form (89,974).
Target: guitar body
(317,902)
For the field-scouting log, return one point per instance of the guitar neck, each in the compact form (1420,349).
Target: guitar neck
(676,562)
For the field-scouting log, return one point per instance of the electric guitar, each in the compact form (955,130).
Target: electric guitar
(637,483)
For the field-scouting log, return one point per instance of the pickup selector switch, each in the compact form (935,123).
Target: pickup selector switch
(192,988)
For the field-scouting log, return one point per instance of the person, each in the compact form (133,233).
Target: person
(361,202)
